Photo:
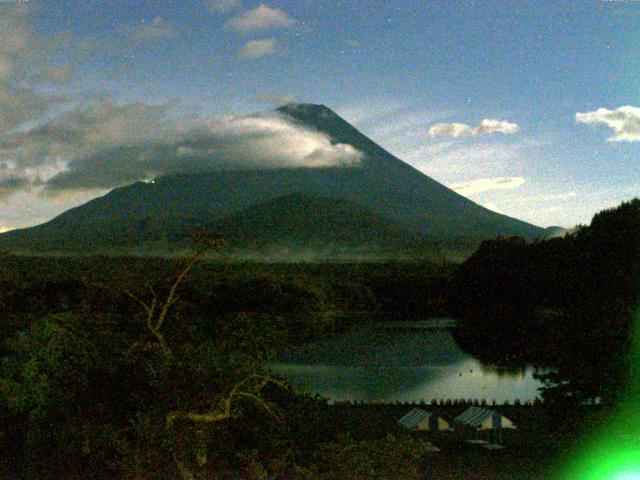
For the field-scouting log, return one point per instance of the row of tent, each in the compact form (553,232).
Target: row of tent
(476,418)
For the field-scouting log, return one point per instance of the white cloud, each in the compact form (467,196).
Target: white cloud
(225,6)
(452,162)
(19,106)
(260,18)
(19,44)
(487,184)
(565,208)
(93,143)
(21,55)
(451,130)
(271,140)
(85,129)
(395,126)
(492,206)
(31,209)
(487,126)
(104,145)
(158,28)
(58,152)
(401,130)
(258,48)
(624,121)
(497,126)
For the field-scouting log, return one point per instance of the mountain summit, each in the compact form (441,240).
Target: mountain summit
(380,191)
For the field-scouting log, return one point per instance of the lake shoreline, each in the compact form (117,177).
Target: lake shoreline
(392,362)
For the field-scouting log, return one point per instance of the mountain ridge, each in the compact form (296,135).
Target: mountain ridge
(381,184)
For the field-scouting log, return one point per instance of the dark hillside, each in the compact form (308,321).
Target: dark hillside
(382,185)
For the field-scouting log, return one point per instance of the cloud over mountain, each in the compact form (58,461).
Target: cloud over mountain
(50,142)
(624,121)
(106,145)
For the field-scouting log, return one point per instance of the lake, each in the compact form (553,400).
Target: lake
(400,362)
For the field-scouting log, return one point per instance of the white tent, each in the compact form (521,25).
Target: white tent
(483,419)
(421,420)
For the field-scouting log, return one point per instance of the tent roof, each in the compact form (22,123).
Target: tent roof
(414,418)
(475,416)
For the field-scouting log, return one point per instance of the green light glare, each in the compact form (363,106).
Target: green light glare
(611,464)
(614,452)
(628,476)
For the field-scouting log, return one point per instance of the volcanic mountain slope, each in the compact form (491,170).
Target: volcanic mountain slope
(305,220)
(381,187)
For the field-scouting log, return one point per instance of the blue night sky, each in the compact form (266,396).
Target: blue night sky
(530,108)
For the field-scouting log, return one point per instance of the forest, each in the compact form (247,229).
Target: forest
(158,368)
(567,303)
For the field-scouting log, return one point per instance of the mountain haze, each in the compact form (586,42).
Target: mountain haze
(380,200)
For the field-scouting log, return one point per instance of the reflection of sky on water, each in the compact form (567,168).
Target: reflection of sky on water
(382,347)
(378,364)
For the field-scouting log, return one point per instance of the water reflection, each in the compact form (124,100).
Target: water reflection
(378,364)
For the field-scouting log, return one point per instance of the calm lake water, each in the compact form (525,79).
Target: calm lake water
(416,362)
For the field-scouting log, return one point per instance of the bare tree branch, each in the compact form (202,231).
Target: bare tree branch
(225,411)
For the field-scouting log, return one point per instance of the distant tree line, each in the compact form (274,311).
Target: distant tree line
(567,303)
